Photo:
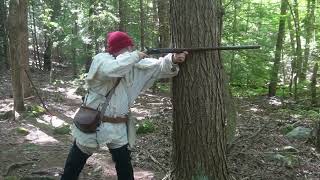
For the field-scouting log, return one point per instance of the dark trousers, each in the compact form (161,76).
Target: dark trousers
(77,159)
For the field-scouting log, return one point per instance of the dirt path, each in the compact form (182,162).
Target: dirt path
(41,152)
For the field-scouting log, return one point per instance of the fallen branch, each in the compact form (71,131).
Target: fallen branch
(155,160)
(254,135)
(37,93)
(50,110)
(38,178)
(168,175)
(16,166)
(28,98)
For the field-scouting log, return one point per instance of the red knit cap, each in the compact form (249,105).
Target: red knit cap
(118,40)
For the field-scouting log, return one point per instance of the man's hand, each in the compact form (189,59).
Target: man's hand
(142,55)
(179,58)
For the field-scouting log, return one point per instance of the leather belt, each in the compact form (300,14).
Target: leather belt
(115,119)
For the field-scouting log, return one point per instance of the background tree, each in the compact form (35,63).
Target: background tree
(17,25)
(309,29)
(163,14)
(54,7)
(3,34)
(277,58)
(123,15)
(313,84)
(199,110)
(142,24)
(298,63)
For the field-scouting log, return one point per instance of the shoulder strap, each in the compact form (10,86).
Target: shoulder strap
(108,97)
(109,94)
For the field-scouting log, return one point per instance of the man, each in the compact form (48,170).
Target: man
(137,72)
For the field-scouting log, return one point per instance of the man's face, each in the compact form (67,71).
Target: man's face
(130,48)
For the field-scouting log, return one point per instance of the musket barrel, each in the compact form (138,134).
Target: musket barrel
(179,50)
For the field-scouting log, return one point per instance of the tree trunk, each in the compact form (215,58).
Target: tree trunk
(309,31)
(34,61)
(47,56)
(142,19)
(293,62)
(89,47)
(313,85)
(279,45)
(27,89)
(17,54)
(234,34)
(296,20)
(74,50)
(198,93)
(163,14)
(155,21)
(35,38)
(123,15)
(3,34)
(55,6)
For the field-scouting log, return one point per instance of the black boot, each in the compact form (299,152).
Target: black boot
(74,164)
(121,156)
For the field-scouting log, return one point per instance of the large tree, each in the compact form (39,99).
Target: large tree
(309,26)
(17,48)
(55,6)
(3,34)
(123,7)
(279,45)
(199,93)
(163,14)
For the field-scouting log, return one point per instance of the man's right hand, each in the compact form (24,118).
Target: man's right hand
(142,55)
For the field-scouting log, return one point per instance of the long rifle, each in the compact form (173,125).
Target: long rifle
(198,49)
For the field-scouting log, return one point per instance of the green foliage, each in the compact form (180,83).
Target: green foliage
(30,147)
(78,29)
(248,92)
(300,111)
(11,178)
(287,128)
(64,129)
(145,127)
(285,159)
(23,131)
(35,111)
(163,87)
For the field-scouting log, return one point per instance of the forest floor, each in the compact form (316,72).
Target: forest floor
(33,147)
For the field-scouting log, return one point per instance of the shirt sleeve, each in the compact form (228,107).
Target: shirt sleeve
(146,72)
(119,66)
(161,68)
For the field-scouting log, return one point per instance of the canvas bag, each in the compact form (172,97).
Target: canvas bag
(88,119)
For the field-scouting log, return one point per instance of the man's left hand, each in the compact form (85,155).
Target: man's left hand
(179,58)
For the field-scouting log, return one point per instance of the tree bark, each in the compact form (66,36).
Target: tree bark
(293,62)
(35,38)
(55,6)
(163,14)
(142,22)
(122,15)
(3,34)
(309,31)
(16,36)
(199,106)
(74,50)
(47,56)
(313,85)
(279,45)
(234,34)
(27,89)
(296,20)
(155,21)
